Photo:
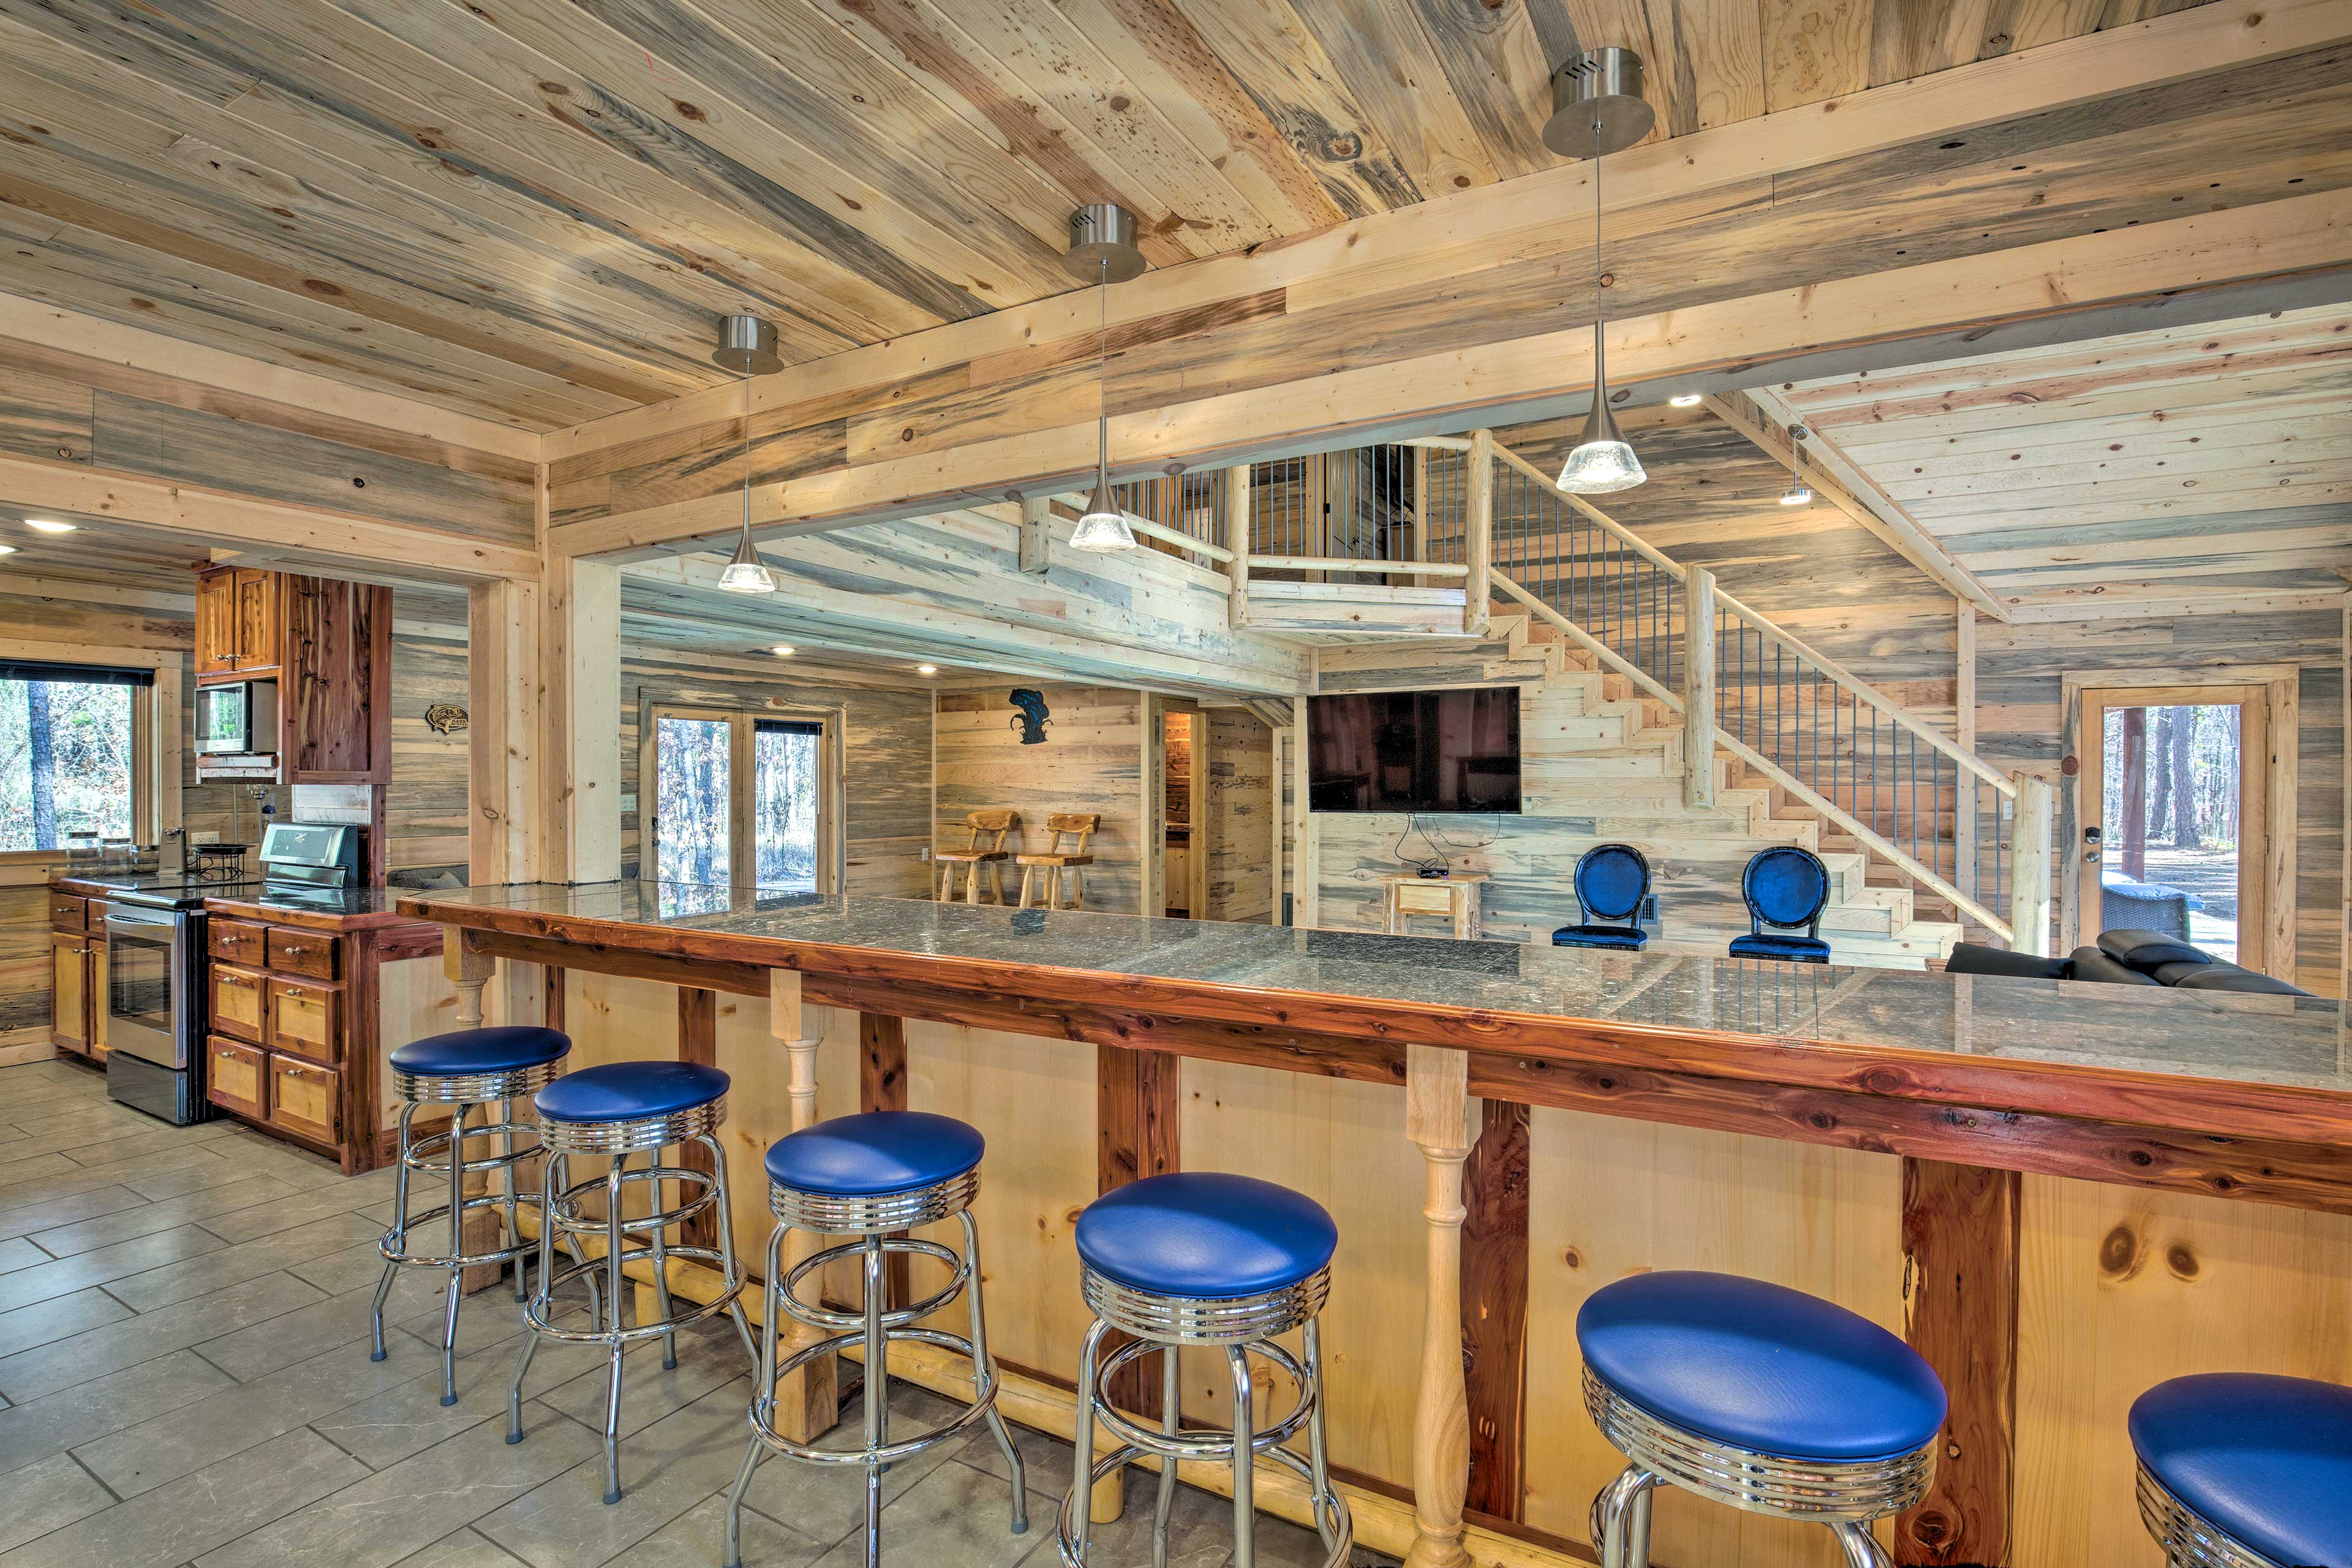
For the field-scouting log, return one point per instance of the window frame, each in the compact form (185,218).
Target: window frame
(741,763)
(155,746)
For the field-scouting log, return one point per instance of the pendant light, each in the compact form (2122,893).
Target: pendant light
(747,345)
(1599,110)
(1798,493)
(1102,247)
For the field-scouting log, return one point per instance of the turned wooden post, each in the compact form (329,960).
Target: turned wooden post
(469,969)
(2029,867)
(1699,689)
(1239,530)
(1479,539)
(1437,1118)
(808,1402)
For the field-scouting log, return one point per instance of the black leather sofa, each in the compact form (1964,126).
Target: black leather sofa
(2124,958)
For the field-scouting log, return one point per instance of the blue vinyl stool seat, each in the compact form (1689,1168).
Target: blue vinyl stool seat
(1785,886)
(873,1153)
(1756,1395)
(1207,1259)
(1611,882)
(2246,1470)
(466,1071)
(873,1177)
(611,1112)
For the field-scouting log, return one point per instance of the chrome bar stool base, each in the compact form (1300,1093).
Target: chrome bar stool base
(870,1219)
(564,1204)
(442,1154)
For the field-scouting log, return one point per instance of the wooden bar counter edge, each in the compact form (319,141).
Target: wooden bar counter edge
(1967,1127)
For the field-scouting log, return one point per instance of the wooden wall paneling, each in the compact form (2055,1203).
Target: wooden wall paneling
(1138,1133)
(1961,1264)
(1618,1197)
(1091,760)
(581,768)
(1242,828)
(1496,1193)
(1151,776)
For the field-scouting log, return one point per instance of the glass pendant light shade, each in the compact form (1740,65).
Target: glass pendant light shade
(746,574)
(1603,459)
(1104,527)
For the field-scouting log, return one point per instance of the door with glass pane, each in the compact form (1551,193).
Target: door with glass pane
(743,799)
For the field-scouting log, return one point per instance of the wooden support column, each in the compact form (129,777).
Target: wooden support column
(1964,729)
(581,751)
(1478,542)
(503,786)
(469,969)
(1239,530)
(1306,837)
(808,1402)
(698,1042)
(1037,534)
(1495,1307)
(1436,1118)
(882,1086)
(2028,867)
(1960,1255)
(1699,689)
(1138,1098)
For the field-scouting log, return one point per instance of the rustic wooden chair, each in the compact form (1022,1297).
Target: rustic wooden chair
(993,827)
(1078,827)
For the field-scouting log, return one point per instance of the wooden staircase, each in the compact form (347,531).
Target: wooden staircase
(1601,761)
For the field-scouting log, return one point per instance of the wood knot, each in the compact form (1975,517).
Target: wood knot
(2119,1253)
(2181,1261)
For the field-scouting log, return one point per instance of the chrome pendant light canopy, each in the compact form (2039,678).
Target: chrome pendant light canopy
(1102,250)
(747,345)
(1601,111)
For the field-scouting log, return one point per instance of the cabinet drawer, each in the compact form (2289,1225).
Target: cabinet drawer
(238,942)
(67,912)
(305,1098)
(236,1003)
(306,1020)
(1430,899)
(238,1077)
(306,953)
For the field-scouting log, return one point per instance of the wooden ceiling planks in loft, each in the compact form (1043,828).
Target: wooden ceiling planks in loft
(2212,459)
(530,209)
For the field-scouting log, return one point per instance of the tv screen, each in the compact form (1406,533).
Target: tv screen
(1414,751)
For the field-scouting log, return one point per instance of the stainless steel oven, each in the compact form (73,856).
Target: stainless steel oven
(237,718)
(154,1002)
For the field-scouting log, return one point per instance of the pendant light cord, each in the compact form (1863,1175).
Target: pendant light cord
(1102,382)
(746,452)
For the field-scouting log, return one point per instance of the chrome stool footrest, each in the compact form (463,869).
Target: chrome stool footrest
(563,1205)
(463,1093)
(875,1327)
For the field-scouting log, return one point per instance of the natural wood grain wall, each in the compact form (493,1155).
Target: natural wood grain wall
(886,750)
(1091,760)
(1240,824)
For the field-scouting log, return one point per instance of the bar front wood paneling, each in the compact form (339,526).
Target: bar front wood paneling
(1960,1261)
(882,1086)
(1495,1196)
(698,1042)
(1136,1107)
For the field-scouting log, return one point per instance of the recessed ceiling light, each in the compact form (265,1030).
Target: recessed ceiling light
(927,669)
(48,525)
(7,549)
(1684,400)
(782,650)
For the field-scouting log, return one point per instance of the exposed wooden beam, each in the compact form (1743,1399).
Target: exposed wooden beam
(1764,418)
(316,539)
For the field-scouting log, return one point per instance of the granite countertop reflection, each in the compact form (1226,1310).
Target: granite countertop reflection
(2284,1040)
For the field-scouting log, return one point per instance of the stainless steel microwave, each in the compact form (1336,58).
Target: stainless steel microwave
(237,718)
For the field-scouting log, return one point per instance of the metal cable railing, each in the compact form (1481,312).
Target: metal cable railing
(1625,595)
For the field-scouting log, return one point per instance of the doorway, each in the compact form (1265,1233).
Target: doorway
(2186,807)
(743,799)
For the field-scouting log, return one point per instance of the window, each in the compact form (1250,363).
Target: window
(741,798)
(70,753)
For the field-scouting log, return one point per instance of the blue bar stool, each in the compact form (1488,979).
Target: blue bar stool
(466,1071)
(1198,1258)
(618,1109)
(866,1177)
(1755,1396)
(1785,886)
(2244,1471)
(1611,882)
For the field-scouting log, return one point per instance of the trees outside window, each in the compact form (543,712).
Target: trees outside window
(66,763)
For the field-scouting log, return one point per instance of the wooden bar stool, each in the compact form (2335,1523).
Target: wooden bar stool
(992,826)
(1054,860)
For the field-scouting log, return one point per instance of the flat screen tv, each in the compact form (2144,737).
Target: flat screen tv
(1414,751)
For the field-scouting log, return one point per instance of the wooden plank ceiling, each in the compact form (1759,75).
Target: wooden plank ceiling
(531,209)
(2194,460)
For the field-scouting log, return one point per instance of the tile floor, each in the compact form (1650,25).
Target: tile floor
(185,1380)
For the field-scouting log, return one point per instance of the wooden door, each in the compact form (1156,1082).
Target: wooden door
(258,621)
(69,991)
(216,645)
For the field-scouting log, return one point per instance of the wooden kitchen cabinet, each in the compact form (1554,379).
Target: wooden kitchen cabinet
(69,991)
(306,1019)
(240,622)
(237,1003)
(305,1098)
(327,644)
(238,1077)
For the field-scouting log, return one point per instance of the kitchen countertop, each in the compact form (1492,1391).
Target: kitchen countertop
(2204,1063)
(341,910)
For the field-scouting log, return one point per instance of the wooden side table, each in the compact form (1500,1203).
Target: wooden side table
(1456,899)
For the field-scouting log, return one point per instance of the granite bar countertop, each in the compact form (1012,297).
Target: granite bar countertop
(2289,1042)
(335,909)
